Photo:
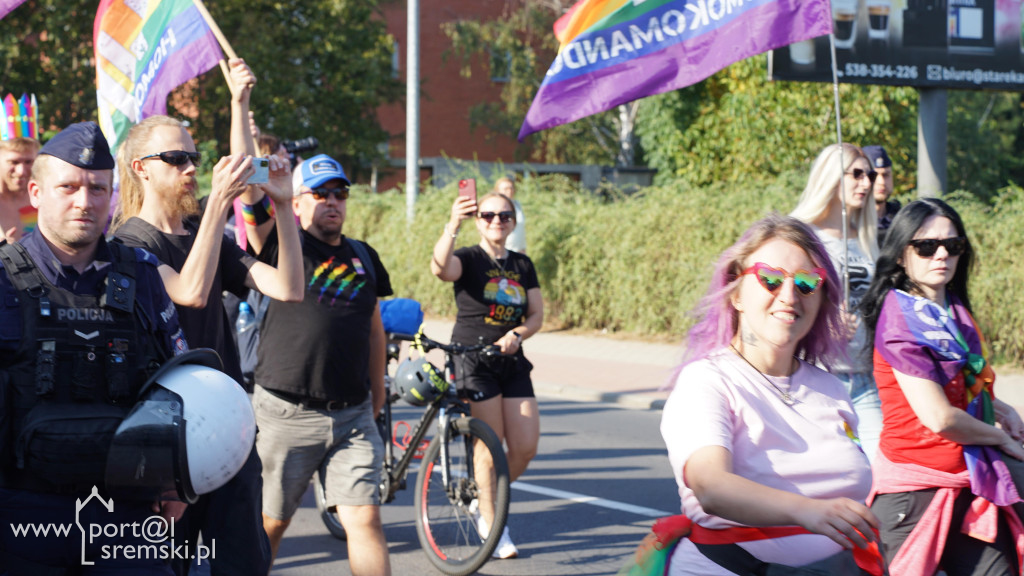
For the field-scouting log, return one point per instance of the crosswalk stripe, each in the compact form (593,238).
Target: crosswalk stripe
(593,500)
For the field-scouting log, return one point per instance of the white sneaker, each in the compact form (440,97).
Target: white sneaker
(478,520)
(482,528)
(506,549)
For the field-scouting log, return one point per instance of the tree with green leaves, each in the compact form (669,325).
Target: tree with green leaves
(522,41)
(46,50)
(324,68)
(738,124)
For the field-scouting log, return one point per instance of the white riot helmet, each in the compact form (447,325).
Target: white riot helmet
(191,431)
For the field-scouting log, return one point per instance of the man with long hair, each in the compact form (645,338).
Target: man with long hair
(156,210)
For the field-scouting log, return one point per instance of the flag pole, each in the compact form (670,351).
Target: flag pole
(842,177)
(221,39)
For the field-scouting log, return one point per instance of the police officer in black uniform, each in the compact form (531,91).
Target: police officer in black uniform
(82,325)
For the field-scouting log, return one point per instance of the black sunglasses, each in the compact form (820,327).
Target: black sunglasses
(505,217)
(323,193)
(926,247)
(859,173)
(176,157)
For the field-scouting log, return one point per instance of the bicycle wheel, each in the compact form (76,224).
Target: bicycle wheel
(330,519)
(446,527)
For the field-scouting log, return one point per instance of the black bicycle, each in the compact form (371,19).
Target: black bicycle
(447,490)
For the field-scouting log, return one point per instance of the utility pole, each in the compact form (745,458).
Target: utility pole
(412,109)
(931,142)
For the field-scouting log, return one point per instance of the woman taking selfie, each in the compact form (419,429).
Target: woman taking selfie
(757,435)
(942,459)
(499,301)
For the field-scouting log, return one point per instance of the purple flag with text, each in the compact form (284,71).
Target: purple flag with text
(7,5)
(616,51)
(144,50)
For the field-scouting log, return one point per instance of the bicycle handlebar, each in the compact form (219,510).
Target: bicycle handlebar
(453,348)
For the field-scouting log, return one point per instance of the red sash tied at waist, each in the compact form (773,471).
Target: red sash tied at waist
(668,530)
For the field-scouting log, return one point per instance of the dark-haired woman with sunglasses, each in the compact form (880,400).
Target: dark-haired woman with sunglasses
(941,487)
(498,300)
(820,206)
(760,439)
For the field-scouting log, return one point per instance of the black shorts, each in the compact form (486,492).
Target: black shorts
(506,376)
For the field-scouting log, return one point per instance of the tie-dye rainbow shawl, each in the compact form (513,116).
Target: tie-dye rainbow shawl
(920,338)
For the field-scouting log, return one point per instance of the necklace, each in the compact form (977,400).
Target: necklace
(786,398)
(503,261)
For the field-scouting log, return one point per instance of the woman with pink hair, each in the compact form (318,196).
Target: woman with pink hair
(759,438)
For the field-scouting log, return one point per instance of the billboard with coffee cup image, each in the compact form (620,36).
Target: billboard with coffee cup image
(967,44)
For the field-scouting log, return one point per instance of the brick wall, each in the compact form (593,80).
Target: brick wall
(445,96)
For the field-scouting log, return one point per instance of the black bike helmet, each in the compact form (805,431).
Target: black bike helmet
(419,382)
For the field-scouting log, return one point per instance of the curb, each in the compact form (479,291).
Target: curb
(580,394)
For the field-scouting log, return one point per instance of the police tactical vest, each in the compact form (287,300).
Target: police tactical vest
(75,376)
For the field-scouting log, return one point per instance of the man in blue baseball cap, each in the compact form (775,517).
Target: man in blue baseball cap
(320,377)
(883,188)
(84,321)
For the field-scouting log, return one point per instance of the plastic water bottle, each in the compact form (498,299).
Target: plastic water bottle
(246,319)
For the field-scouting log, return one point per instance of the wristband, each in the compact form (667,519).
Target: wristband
(518,336)
(256,214)
(449,232)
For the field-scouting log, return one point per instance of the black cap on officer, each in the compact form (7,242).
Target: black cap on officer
(877,156)
(82,145)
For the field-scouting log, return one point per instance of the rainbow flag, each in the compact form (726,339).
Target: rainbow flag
(29,217)
(7,5)
(922,339)
(616,51)
(144,50)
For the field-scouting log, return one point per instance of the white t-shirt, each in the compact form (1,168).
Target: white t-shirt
(862,270)
(804,448)
(516,241)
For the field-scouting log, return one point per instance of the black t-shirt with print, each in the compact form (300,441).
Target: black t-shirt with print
(320,347)
(206,327)
(491,295)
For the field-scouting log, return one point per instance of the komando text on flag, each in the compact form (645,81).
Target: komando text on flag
(616,51)
(7,5)
(144,50)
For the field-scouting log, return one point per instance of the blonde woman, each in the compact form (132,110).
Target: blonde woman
(843,171)
(499,300)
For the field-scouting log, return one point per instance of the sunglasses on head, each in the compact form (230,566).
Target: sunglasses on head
(806,281)
(505,217)
(176,157)
(926,247)
(859,173)
(323,193)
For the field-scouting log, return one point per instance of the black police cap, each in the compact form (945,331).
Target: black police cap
(877,156)
(82,145)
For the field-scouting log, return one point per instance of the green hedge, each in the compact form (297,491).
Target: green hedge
(636,264)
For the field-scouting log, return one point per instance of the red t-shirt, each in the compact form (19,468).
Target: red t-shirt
(904,438)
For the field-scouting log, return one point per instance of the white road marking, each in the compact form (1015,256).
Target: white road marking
(593,500)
